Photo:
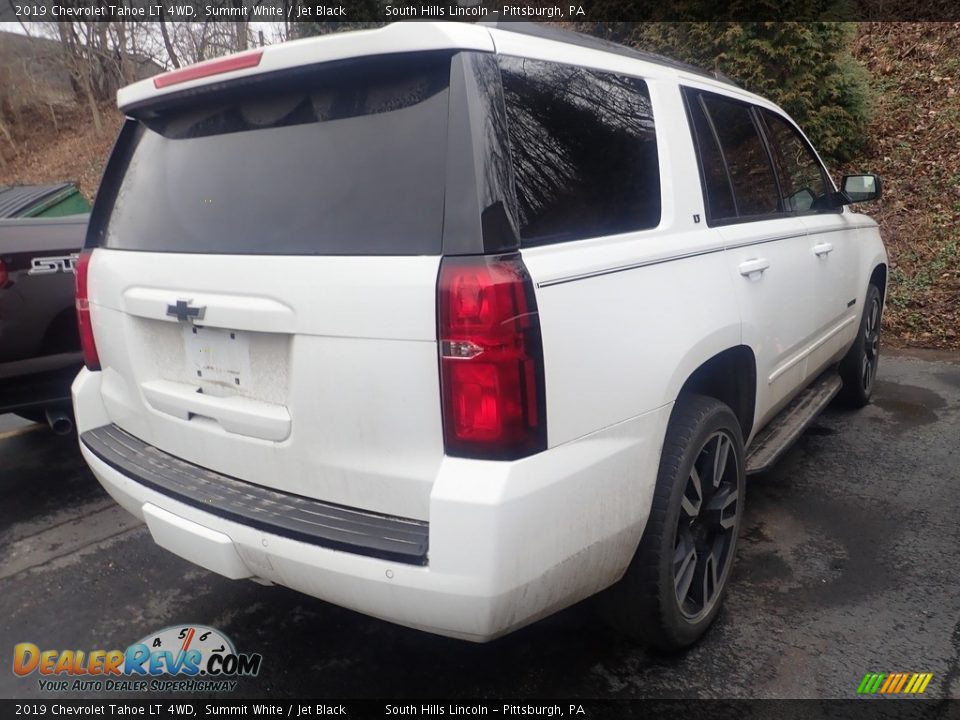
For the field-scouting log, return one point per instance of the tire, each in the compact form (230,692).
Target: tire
(646,603)
(858,369)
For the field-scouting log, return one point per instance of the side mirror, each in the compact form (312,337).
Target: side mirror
(861,188)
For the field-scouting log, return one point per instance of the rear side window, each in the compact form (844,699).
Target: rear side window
(803,183)
(347,161)
(583,150)
(747,162)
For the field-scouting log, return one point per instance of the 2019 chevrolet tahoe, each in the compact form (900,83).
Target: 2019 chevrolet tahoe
(457,325)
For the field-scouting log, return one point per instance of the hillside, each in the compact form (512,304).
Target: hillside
(913,144)
(72,151)
(915,147)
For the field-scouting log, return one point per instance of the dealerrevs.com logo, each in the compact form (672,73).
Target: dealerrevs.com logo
(200,658)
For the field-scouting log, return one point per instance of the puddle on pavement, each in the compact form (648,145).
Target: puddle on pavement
(817,549)
(910,405)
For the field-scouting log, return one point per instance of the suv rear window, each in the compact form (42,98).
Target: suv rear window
(349,161)
(583,148)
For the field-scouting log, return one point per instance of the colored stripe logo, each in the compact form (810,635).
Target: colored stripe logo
(894,683)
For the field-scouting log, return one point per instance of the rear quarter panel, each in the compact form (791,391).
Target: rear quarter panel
(627,318)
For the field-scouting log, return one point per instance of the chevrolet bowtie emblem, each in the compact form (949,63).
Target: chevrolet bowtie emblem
(183,312)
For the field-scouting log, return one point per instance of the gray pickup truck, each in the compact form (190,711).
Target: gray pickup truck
(39,343)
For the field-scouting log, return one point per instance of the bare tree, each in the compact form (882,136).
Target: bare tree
(171,53)
(78,40)
(101,56)
(122,53)
(197,41)
(6,133)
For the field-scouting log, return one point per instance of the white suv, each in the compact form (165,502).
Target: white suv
(457,325)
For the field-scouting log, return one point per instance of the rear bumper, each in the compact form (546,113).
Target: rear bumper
(509,542)
(276,513)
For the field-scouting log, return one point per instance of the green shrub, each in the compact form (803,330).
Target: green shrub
(806,68)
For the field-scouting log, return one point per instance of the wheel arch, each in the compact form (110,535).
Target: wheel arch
(729,376)
(878,277)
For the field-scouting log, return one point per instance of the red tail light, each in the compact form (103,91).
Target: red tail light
(491,358)
(90,357)
(4,276)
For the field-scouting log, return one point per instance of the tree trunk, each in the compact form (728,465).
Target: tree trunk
(201,46)
(6,134)
(126,77)
(240,30)
(92,102)
(166,40)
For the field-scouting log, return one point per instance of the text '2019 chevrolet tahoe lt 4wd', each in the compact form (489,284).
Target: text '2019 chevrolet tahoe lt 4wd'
(456,325)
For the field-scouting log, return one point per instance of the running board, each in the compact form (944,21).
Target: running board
(781,432)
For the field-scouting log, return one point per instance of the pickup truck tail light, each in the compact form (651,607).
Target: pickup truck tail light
(491,358)
(90,357)
(4,275)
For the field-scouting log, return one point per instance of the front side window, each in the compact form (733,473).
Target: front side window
(803,185)
(713,168)
(583,150)
(747,161)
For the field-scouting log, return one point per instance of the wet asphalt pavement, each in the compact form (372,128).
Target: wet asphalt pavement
(848,562)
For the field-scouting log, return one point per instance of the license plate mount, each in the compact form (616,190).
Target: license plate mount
(218,356)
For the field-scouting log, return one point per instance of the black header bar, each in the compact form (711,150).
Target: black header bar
(381,11)
(437,709)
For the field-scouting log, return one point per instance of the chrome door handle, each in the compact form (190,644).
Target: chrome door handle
(823,249)
(755,265)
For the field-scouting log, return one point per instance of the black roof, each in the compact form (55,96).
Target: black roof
(19,199)
(548,32)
